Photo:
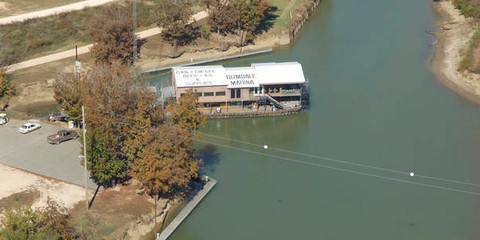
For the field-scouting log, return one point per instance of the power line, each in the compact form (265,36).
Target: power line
(346,162)
(343,169)
(338,168)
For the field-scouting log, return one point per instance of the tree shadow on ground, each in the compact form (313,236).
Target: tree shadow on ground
(269,20)
(209,156)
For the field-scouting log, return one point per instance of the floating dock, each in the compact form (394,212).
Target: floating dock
(251,114)
(192,202)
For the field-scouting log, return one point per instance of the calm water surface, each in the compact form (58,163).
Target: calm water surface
(375,102)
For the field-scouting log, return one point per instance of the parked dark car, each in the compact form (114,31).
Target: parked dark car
(62,136)
(57,116)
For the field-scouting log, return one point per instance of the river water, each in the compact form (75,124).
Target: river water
(374,102)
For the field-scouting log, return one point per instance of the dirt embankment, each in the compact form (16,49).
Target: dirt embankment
(157,53)
(123,212)
(454,34)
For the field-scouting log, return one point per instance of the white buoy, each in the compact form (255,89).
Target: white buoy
(412,174)
(265,147)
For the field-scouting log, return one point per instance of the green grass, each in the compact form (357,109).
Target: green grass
(107,230)
(38,37)
(16,7)
(284,9)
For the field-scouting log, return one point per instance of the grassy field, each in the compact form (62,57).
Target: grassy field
(43,36)
(16,7)
(284,7)
(35,38)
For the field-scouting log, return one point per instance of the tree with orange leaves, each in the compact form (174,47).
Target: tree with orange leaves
(186,114)
(167,162)
(112,32)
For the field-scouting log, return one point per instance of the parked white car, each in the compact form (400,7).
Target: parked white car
(28,127)
(3,118)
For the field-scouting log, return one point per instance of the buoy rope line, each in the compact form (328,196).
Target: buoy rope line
(339,168)
(342,169)
(345,162)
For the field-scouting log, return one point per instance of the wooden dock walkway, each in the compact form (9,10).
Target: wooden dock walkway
(246,54)
(192,202)
(250,114)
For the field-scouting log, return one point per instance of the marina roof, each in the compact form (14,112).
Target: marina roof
(239,77)
(279,73)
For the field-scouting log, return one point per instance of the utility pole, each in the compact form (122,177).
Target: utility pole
(134,31)
(85,155)
(78,64)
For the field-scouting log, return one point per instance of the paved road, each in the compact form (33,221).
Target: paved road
(85,49)
(53,11)
(31,152)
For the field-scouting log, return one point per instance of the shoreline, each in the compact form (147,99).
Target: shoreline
(453,35)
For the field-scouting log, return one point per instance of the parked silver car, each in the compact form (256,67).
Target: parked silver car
(28,127)
(3,118)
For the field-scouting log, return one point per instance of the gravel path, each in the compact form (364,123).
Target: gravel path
(85,49)
(53,11)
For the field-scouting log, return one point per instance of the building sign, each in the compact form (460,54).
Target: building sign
(199,77)
(241,78)
(190,77)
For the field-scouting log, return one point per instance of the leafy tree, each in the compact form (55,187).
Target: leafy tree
(7,91)
(185,113)
(243,17)
(112,32)
(167,163)
(248,17)
(221,17)
(50,222)
(119,113)
(68,93)
(145,116)
(22,223)
(110,94)
(174,17)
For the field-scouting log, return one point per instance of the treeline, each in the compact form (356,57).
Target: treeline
(244,18)
(7,91)
(128,132)
(129,135)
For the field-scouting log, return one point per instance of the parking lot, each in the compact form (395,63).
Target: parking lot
(31,152)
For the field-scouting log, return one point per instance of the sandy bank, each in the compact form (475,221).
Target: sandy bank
(453,34)
(13,181)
